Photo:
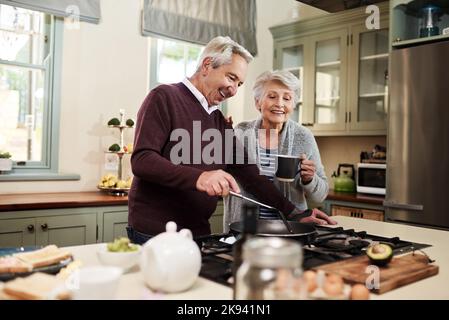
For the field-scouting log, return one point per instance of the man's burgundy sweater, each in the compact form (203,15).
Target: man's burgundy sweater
(162,191)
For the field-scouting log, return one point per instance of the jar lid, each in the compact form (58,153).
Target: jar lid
(272,252)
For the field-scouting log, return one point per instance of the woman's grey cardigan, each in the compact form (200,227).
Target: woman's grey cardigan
(294,140)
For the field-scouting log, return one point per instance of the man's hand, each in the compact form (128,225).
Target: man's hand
(307,168)
(316,216)
(217,183)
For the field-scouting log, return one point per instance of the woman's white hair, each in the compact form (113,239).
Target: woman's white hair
(220,50)
(287,78)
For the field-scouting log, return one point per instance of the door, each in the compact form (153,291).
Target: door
(17,232)
(67,230)
(418,136)
(368,89)
(114,225)
(330,76)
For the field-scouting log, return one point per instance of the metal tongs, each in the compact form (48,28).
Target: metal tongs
(238,195)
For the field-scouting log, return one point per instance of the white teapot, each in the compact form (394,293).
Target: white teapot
(171,261)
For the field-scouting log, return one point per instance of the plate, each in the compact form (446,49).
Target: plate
(51,269)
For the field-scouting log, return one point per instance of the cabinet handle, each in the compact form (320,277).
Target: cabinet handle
(307,124)
(44,226)
(30,228)
(346,117)
(349,116)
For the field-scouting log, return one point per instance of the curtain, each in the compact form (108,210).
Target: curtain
(87,10)
(199,21)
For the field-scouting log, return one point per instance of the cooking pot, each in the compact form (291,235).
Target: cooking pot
(303,232)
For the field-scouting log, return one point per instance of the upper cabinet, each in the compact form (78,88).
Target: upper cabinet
(415,22)
(343,69)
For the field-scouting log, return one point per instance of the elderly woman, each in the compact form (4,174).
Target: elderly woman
(276,94)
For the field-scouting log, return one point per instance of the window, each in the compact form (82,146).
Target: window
(30,53)
(172,61)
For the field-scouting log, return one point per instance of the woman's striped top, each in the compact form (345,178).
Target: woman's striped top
(267,161)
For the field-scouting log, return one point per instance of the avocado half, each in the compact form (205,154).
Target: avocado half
(380,254)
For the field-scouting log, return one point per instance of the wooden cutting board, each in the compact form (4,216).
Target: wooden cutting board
(399,272)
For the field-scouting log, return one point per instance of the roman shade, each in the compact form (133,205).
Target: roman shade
(198,21)
(87,10)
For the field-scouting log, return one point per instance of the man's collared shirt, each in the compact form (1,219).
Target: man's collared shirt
(199,96)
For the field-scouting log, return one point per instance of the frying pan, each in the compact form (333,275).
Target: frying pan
(276,228)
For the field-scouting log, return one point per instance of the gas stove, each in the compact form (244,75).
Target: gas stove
(329,245)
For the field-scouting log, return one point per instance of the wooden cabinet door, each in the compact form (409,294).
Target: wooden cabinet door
(114,225)
(67,230)
(377,215)
(372,214)
(17,232)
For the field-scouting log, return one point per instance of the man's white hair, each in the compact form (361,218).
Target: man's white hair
(220,50)
(287,78)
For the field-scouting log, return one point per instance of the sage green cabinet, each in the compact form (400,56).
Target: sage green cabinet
(63,227)
(17,232)
(114,225)
(66,230)
(343,70)
(73,226)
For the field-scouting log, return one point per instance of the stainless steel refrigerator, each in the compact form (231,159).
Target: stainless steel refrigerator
(418,136)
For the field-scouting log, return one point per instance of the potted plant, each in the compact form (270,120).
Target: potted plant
(5,161)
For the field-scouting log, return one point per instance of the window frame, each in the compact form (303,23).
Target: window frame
(47,168)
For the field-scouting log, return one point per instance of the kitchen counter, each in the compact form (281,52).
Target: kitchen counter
(13,202)
(132,286)
(355,197)
(34,201)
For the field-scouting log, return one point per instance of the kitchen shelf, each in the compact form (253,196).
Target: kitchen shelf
(375,56)
(118,152)
(329,64)
(373,95)
(412,42)
(327,99)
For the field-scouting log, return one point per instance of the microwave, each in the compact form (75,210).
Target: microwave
(371,178)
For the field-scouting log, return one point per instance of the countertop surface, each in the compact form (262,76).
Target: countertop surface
(356,197)
(31,201)
(132,286)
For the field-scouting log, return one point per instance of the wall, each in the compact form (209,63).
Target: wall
(335,150)
(105,68)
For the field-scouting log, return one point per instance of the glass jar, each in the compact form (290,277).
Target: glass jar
(430,16)
(271,270)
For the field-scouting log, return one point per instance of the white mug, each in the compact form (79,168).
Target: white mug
(95,283)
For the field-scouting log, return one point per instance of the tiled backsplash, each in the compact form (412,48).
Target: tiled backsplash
(335,150)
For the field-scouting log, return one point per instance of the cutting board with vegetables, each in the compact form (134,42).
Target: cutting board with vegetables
(399,272)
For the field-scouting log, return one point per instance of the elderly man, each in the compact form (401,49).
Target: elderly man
(166,189)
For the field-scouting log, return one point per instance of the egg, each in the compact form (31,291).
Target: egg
(310,278)
(359,292)
(333,285)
